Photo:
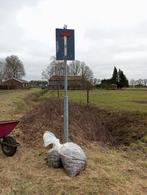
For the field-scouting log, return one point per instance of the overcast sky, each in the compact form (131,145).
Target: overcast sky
(108,33)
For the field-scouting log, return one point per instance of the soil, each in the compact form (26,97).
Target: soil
(86,124)
(141,102)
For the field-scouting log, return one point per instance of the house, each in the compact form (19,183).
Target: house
(14,83)
(74,82)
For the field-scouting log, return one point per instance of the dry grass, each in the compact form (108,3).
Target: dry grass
(12,105)
(86,124)
(109,171)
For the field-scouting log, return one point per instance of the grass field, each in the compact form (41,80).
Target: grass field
(109,170)
(129,99)
(11,101)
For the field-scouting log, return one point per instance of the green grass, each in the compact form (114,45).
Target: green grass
(129,99)
(126,99)
(12,104)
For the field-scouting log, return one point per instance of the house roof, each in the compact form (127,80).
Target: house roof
(60,78)
(19,80)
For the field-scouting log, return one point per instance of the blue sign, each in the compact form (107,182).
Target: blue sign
(60,33)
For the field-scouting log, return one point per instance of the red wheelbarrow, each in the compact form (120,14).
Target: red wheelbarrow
(8,143)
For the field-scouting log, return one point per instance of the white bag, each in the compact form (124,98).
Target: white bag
(72,156)
(54,159)
(50,138)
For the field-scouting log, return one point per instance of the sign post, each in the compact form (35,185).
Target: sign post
(65,88)
(65,51)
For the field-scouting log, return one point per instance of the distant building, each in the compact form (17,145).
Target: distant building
(38,84)
(74,82)
(14,83)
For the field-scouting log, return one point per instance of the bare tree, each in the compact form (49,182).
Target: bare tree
(96,81)
(2,64)
(145,82)
(75,68)
(139,82)
(132,82)
(54,68)
(47,73)
(86,72)
(13,68)
(80,68)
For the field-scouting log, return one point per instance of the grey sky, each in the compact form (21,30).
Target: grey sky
(107,33)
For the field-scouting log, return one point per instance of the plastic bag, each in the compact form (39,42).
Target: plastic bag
(54,159)
(50,138)
(70,155)
(73,158)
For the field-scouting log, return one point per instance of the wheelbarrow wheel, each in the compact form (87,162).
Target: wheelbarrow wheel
(9,146)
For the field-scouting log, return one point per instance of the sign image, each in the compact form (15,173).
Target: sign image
(60,47)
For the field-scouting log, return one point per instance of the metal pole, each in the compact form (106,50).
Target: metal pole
(65,91)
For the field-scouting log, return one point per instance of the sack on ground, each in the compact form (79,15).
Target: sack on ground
(68,155)
(54,159)
(73,158)
(50,138)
